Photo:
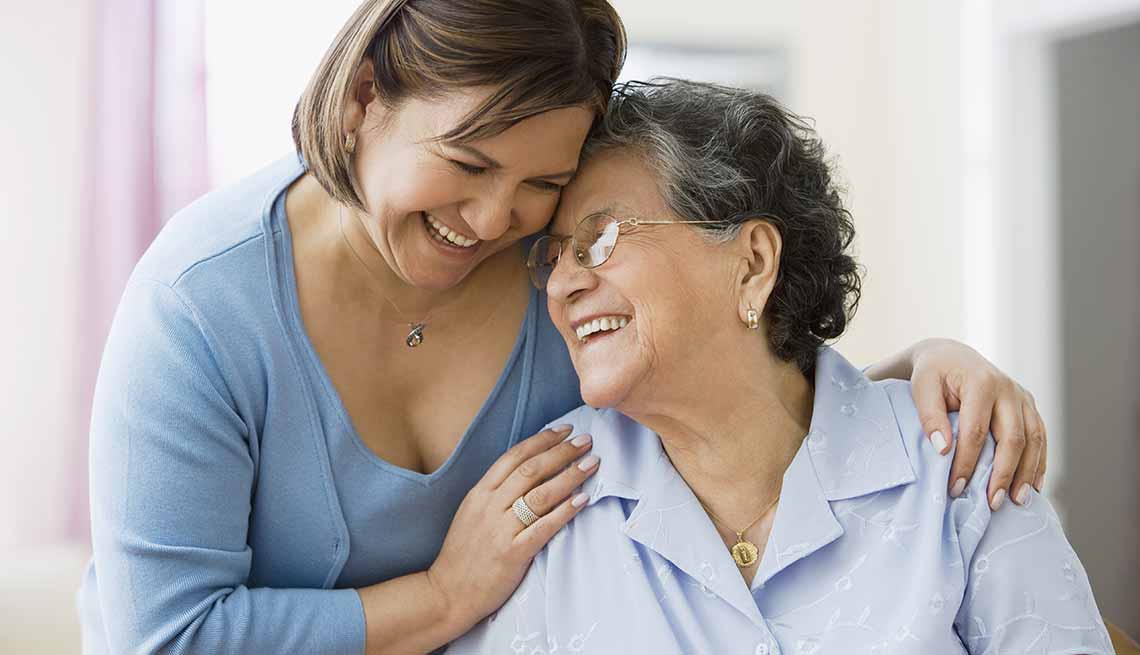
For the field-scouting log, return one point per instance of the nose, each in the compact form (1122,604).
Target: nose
(568,279)
(490,215)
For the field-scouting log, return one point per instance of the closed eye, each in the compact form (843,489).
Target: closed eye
(543,185)
(468,168)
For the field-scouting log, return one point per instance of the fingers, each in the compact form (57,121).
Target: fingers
(521,452)
(540,468)
(1043,461)
(1009,433)
(1030,457)
(930,400)
(533,538)
(1036,436)
(973,426)
(546,496)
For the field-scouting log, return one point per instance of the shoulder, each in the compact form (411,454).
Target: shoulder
(204,291)
(626,448)
(927,462)
(218,223)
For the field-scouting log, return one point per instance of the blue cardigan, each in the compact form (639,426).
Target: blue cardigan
(216,523)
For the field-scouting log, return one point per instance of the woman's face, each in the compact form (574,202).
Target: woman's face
(485,195)
(675,291)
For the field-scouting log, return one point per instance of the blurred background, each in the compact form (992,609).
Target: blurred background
(991,152)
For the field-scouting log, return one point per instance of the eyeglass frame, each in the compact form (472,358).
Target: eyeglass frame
(633,221)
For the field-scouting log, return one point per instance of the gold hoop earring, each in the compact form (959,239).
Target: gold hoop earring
(350,142)
(753,319)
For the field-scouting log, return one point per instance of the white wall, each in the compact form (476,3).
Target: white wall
(44,47)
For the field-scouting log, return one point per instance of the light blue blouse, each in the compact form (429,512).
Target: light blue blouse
(867,554)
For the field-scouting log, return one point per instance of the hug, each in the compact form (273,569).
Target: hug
(326,416)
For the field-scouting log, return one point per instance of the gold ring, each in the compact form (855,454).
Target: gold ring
(524,512)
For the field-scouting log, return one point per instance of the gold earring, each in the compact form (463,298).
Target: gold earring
(753,320)
(350,142)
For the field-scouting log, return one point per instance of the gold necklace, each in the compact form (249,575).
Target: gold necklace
(744,552)
(416,328)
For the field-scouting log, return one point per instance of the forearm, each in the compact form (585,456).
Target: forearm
(408,615)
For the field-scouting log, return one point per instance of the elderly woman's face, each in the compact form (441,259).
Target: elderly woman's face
(671,289)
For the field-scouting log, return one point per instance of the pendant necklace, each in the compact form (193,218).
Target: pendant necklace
(744,552)
(415,328)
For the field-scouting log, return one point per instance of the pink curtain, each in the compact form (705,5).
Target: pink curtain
(149,148)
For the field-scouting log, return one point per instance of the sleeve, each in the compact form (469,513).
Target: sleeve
(1026,591)
(519,626)
(171,492)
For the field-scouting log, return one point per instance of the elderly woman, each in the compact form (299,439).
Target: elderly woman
(758,494)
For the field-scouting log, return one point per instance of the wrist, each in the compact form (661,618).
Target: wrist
(438,601)
(448,613)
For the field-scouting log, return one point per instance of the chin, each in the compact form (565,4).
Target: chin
(602,393)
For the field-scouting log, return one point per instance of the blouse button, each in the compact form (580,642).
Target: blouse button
(762,649)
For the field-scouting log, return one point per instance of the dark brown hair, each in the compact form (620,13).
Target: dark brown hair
(535,55)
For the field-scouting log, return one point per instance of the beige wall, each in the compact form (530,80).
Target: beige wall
(44,48)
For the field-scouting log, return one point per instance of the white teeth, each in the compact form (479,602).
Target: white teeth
(444,233)
(608,323)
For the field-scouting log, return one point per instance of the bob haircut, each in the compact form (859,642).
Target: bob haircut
(536,56)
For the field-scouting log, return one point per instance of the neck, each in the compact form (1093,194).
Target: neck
(733,435)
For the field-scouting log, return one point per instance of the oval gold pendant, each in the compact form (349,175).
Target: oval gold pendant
(416,336)
(745,553)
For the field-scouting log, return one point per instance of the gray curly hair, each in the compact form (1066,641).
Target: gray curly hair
(726,154)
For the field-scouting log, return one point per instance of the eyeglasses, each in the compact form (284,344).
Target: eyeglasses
(592,242)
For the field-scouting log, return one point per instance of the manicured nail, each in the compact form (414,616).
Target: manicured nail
(998,501)
(563,429)
(958,488)
(581,440)
(1023,494)
(938,440)
(588,462)
(580,500)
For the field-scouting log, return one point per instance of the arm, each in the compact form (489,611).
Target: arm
(949,376)
(1026,590)
(171,492)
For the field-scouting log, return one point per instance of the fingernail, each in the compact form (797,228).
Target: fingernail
(580,500)
(1023,494)
(938,440)
(581,440)
(563,429)
(958,488)
(998,501)
(588,462)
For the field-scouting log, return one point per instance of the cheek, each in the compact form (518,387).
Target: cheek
(396,184)
(534,210)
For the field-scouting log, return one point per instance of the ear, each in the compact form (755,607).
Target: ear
(761,244)
(361,93)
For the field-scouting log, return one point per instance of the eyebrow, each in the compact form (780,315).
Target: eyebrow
(492,163)
(608,209)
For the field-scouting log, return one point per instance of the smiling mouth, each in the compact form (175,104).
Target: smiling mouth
(446,235)
(600,326)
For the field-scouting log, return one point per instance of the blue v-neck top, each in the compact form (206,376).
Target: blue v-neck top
(233,504)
